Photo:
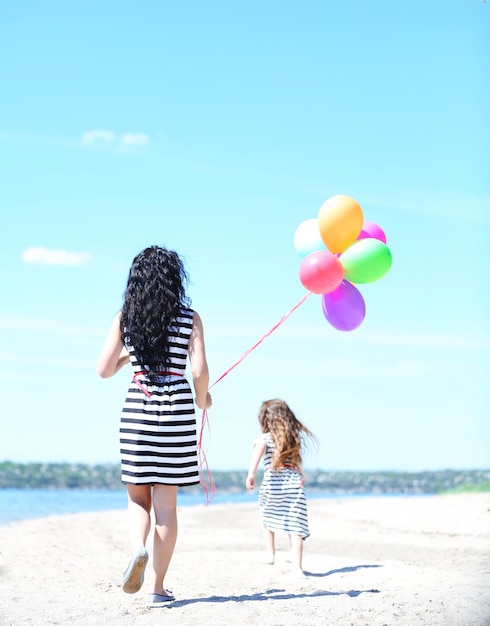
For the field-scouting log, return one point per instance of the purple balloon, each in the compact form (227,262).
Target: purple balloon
(344,308)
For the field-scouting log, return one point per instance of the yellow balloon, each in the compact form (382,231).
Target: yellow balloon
(340,221)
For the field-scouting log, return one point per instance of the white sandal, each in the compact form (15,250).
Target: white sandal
(134,575)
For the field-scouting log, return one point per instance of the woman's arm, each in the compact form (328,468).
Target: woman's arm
(199,365)
(257,454)
(114,354)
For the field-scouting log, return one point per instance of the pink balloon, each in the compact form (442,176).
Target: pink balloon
(344,308)
(370,229)
(321,272)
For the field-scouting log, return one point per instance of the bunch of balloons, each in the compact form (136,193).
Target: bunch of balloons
(339,249)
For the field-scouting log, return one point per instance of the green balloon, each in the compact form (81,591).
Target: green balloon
(366,260)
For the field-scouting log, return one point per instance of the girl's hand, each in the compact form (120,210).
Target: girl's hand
(257,453)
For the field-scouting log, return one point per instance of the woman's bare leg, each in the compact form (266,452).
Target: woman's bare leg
(139,507)
(165,537)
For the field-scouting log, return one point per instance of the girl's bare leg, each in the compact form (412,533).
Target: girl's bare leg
(165,537)
(269,546)
(297,551)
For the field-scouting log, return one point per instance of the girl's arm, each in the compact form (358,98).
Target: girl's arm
(257,454)
(114,354)
(199,365)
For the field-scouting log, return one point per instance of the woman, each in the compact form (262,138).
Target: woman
(156,331)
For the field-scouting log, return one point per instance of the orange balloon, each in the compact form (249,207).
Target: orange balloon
(340,221)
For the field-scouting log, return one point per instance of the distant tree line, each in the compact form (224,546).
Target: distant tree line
(107,476)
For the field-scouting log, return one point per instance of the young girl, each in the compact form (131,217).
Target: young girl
(282,499)
(156,331)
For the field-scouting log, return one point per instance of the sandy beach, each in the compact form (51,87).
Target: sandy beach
(368,562)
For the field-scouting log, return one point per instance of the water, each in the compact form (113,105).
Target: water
(21,504)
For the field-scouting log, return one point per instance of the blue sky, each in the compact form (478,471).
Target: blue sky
(215,129)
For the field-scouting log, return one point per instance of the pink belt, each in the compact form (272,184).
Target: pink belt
(143,389)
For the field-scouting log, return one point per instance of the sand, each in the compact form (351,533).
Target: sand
(368,562)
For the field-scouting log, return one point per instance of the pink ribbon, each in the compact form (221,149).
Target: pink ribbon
(203,463)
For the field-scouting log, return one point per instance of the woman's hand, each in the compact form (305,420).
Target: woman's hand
(206,404)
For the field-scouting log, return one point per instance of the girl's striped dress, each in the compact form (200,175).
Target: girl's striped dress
(158,435)
(282,499)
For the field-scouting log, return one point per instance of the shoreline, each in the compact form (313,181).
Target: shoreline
(17,505)
(369,561)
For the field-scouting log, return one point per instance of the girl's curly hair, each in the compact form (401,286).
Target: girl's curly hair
(155,294)
(287,432)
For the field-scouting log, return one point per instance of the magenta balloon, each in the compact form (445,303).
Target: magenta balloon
(370,229)
(321,272)
(344,308)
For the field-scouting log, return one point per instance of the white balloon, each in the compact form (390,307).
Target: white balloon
(307,238)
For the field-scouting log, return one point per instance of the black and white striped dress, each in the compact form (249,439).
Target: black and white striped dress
(282,499)
(158,435)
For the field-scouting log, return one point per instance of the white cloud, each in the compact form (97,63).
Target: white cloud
(248,331)
(43,256)
(134,139)
(109,138)
(41,325)
(441,202)
(98,137)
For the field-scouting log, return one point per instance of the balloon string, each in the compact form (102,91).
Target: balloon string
(269,332)
(203,463)
(204,471)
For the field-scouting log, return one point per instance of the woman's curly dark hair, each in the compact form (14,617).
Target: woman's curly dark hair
(154,296)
